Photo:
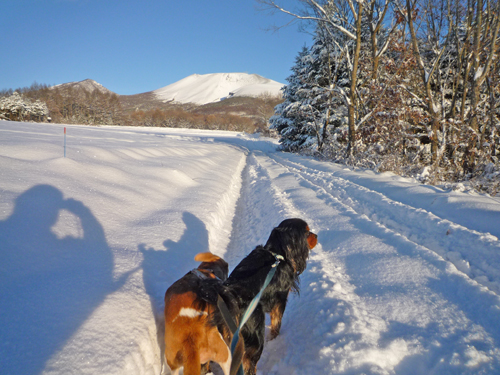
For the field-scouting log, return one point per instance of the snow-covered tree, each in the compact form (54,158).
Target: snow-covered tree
(289,119)
(18,108)
(314,109)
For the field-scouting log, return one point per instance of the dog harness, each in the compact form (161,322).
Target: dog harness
(202,274)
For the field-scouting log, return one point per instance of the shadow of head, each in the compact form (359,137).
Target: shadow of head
(41,204)
(161,268)
(194,240)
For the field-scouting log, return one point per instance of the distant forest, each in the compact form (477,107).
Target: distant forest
(69,105)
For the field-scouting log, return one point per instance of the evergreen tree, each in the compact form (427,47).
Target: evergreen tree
(314,115)
(288,119)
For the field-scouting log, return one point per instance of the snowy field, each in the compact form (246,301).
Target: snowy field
(405,278)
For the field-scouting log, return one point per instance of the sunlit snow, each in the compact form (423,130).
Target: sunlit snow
(209,88)
(405,278)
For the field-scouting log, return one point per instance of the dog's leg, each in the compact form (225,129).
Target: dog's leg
(174,370)
(205,368)
(172,364)
(277,315)
(250,360)
(226,366)
(254,340)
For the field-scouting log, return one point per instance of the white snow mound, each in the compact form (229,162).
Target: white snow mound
(209,88)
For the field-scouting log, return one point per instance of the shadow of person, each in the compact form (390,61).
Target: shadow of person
(162,268)
(48,285)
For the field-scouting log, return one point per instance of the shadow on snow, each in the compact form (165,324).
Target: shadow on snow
(49,285)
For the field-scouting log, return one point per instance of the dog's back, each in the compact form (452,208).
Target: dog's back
(190,340)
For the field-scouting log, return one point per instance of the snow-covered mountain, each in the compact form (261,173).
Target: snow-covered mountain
(87,85)
(199,89)
(209,88)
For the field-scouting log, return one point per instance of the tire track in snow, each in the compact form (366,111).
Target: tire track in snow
(450,240)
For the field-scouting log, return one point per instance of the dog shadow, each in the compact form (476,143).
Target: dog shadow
(161,268)
(49,283)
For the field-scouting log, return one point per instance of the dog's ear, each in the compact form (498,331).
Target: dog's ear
(206,257)
(312,238)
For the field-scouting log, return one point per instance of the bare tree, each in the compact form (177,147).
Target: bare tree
(435,24)
(347,18)
(376,16)
(484,50)
(342,16)
(265,108)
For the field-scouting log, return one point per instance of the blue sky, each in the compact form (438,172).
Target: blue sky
(133,46)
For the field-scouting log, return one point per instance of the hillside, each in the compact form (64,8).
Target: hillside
(87,85)
(244,100)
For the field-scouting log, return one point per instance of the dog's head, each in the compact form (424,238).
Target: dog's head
(293,239)
(213,264)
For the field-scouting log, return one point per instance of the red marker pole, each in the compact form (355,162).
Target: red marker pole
(64,141)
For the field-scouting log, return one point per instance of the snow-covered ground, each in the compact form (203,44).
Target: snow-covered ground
(405,278)
(209,88)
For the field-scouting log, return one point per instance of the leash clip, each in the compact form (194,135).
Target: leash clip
(279,258)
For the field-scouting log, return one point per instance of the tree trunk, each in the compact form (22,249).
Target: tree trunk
(354,81)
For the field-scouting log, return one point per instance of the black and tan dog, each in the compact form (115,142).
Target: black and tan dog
(197,332)
(292,240)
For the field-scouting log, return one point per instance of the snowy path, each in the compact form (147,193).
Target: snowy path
(405,278)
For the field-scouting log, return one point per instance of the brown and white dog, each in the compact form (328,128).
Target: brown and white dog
(190,341)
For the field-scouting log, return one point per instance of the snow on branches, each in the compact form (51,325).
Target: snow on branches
(425,97)
(17,108)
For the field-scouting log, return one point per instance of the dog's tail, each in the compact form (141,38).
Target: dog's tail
(192,363)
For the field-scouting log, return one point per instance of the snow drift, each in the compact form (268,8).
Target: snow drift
(208,88)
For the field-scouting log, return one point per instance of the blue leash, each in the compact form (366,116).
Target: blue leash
(251,307)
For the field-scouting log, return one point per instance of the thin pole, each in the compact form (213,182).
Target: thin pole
(64,141)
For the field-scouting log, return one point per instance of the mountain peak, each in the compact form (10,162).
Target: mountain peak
(209,88)
(87,85)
